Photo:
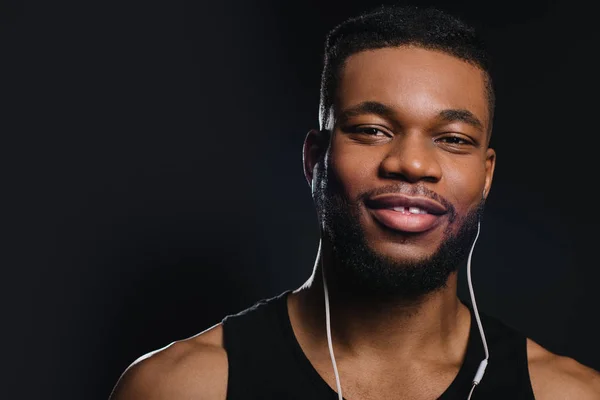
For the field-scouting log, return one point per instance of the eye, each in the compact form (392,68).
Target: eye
(369,130)
(455,140)
(368,134)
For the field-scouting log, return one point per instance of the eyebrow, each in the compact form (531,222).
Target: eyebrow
(385,111)
(461,115)
(366,107)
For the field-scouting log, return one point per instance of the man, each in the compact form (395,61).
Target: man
(400,169)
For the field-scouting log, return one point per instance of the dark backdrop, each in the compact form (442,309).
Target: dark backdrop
(152,178)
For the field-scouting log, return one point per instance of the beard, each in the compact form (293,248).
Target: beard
(360,271)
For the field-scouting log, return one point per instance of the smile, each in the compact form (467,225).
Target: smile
(406,213)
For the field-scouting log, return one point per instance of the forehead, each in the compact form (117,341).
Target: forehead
(413,80)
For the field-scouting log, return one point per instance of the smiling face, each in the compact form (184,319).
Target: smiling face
(407,165)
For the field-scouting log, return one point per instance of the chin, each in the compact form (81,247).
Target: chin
(402,251)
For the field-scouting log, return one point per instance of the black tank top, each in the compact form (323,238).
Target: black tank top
(267,362)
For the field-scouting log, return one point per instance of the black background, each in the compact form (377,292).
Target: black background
(152,178)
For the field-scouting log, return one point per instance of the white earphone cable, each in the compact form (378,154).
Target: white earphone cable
(483,364)
(329,341)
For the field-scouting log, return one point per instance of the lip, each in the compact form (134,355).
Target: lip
(389,201)
(381,207)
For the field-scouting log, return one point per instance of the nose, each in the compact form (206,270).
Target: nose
(412,158)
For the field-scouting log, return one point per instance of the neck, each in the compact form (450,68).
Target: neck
(394,327)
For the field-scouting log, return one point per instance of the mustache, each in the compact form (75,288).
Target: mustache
(410,190)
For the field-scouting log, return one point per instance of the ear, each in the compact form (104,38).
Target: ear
(315,146)
(490,164)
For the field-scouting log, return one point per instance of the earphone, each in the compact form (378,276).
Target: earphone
(482,366)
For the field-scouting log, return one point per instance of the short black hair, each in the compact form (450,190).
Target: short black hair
(393,26)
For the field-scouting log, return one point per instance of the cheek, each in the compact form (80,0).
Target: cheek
(355,169)
(464,184)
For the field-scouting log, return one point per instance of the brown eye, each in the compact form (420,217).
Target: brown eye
(372,135)
(455,140)
(371,131)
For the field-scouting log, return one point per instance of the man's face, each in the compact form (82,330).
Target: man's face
(407,167)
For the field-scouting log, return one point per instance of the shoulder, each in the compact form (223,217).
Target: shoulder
(192,368)
(559,377)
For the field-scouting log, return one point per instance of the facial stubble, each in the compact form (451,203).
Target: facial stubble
(358,269)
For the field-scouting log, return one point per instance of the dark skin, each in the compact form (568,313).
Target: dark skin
(425,122)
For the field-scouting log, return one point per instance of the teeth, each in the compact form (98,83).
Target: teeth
(411,210)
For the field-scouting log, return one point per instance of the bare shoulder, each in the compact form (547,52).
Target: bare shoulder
(192,368)
(558,377)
